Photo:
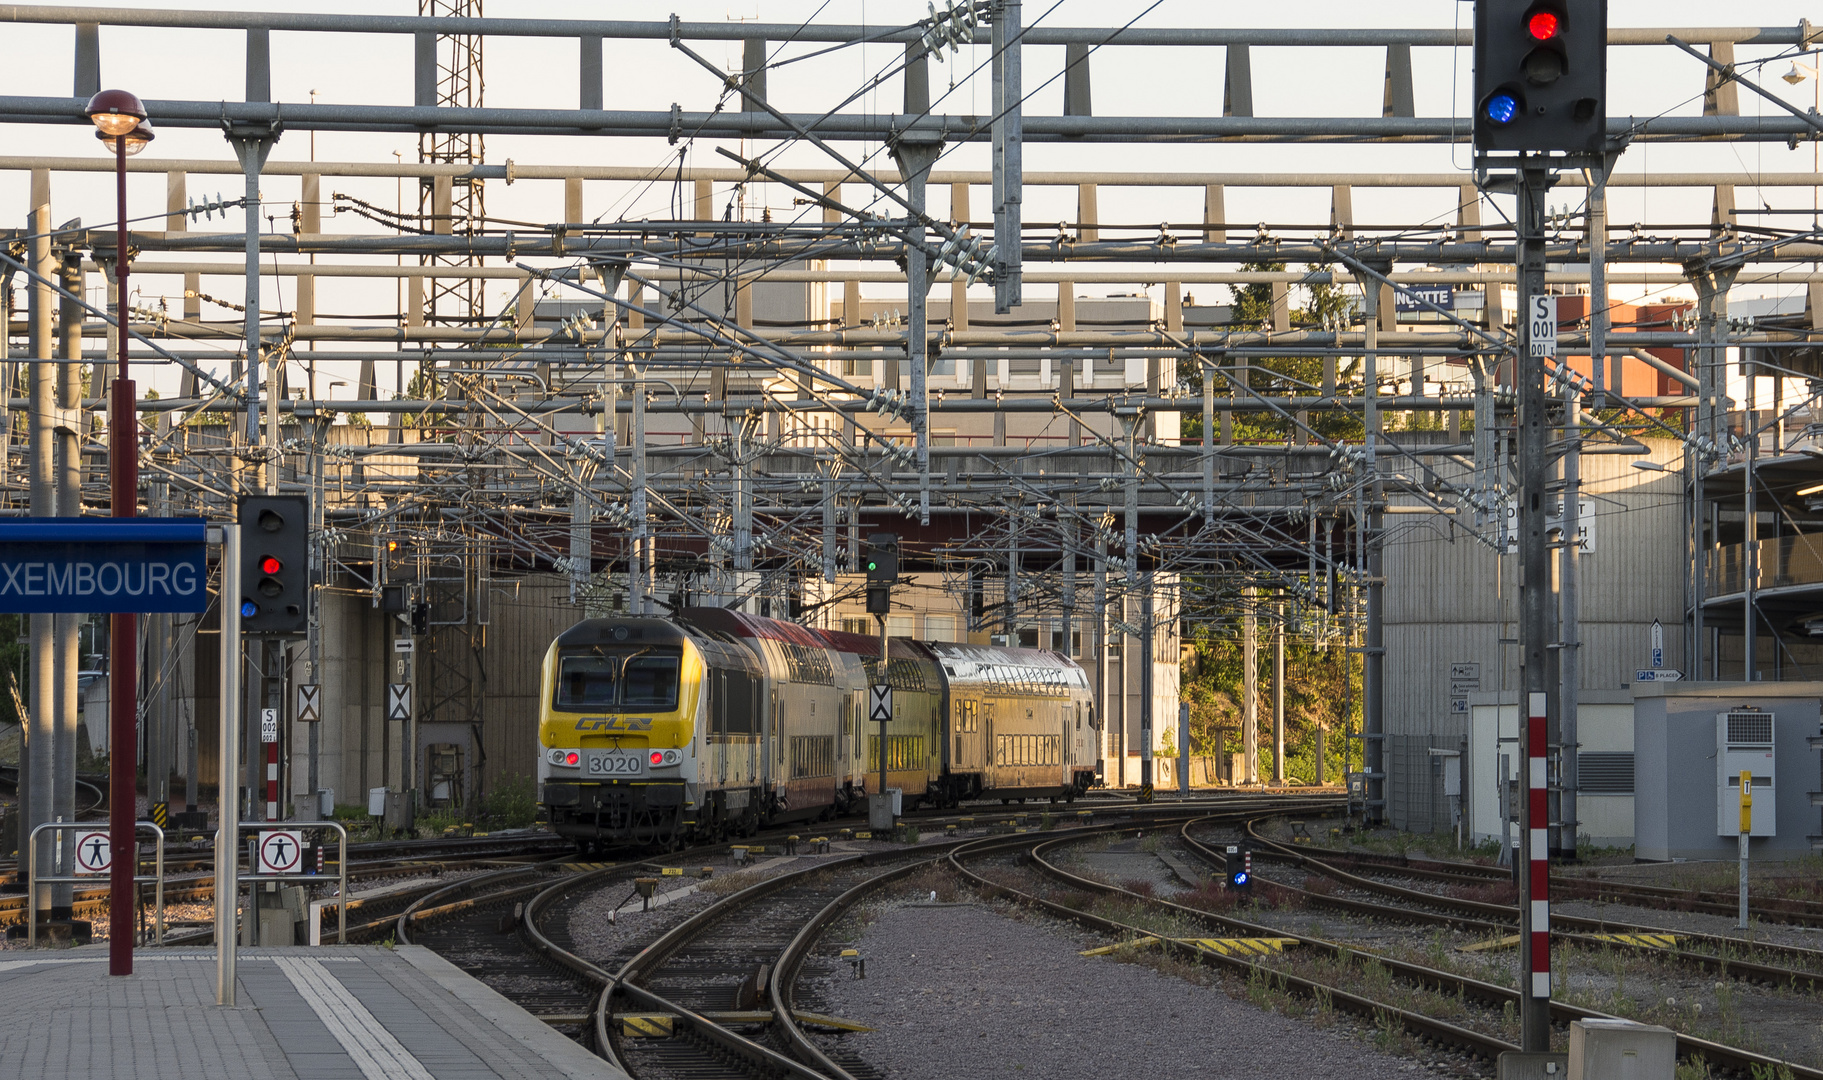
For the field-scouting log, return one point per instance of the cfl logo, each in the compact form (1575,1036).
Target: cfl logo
(614,723)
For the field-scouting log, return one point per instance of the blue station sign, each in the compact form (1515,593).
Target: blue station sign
(104,566)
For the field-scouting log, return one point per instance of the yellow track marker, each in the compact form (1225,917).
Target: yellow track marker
(1490,945)
(646,1025)
(1225,946)
(1648,941)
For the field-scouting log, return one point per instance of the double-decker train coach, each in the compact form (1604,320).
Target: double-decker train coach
(657,731)
(1021,723)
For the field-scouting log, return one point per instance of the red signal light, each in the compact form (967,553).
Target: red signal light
(270,565)
(1543,25)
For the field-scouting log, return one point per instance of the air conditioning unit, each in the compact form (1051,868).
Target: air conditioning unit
(1744,744)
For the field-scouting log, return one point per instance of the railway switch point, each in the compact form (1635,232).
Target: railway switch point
(645,887)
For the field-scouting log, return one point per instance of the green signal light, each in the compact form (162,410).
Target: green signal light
(871,565)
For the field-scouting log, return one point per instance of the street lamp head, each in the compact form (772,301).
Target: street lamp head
(136,138)
(1794,76)
(115,112)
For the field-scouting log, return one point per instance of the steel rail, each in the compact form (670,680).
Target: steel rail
(1794,910)
(657,951)
(1726,1057)
(1579,931)
(1441,1031)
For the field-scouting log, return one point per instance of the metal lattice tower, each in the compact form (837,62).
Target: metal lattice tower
(455,205)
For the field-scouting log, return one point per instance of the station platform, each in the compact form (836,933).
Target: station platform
(353,1013)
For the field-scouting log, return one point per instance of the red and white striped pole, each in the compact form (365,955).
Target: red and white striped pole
(1538,866)
(272,781)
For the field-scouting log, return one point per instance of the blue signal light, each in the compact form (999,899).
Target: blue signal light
(1502,108)
(1240,877)
(249,609)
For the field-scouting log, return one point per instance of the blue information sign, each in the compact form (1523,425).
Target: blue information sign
(104,566)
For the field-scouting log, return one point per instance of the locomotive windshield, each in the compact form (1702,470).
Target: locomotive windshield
(596,678)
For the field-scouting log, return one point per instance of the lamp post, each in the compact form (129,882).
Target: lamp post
(122,127)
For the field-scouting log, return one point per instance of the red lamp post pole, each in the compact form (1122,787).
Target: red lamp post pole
(123,630)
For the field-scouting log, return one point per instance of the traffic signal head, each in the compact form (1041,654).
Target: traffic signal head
(882,559)
(1541,75)
(1238,867)
(274,564)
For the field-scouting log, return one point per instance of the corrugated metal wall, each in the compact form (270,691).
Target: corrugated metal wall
(1451,600)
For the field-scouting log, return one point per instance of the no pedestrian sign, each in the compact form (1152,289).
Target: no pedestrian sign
(93,854)
(281,851)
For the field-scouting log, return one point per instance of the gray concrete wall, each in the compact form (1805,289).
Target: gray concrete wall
(1675,806)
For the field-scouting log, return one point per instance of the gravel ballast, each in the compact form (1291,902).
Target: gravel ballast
(963,990)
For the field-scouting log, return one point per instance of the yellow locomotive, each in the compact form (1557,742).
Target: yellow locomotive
(712,723)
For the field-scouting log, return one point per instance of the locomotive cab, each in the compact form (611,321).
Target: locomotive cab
(617,729)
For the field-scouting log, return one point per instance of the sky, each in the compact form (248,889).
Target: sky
(525,72)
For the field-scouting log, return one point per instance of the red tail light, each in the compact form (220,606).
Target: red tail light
(658,757)
(572,758)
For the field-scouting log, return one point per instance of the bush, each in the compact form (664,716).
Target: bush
(511,805)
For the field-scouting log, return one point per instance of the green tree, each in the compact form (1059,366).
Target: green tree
(1325,306)
(1322,687)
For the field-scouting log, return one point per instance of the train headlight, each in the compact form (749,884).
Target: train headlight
(554,755)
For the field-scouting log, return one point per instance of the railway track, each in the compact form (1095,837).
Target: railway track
(724,981)
(1718,1056)
(1715,954)
(1792,911)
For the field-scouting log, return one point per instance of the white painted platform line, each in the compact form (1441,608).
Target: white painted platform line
(375,1051)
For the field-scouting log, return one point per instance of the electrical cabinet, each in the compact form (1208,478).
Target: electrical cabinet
(1744,744)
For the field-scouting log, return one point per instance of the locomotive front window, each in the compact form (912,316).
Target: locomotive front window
(615,679)
(587,680)
(650,683)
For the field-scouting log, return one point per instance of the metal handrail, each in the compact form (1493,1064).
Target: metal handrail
(33,880)
(341,897)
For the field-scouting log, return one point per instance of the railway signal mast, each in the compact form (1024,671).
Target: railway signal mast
(1540,106)
(882,575)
